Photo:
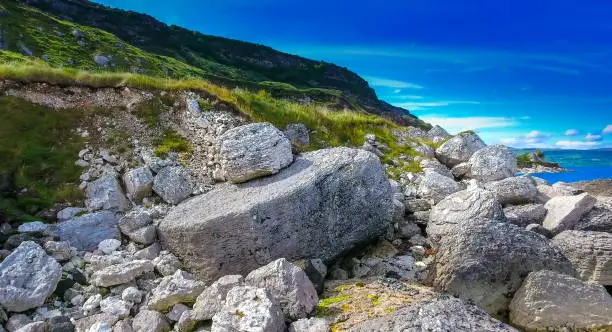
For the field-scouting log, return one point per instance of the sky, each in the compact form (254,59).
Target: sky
(529,74)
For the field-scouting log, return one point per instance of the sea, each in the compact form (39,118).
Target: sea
(585,165)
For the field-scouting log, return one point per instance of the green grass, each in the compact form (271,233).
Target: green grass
(38,149)
(171,142)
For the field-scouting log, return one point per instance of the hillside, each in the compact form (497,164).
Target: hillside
(84,35)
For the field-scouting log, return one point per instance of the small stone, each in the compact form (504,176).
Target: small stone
(150,321)
(33,227)
(131,294)
(138,183)
(121,273)
(92,303)
(176,312)
(166,263)
(17,321)
(180,287)
(115,306)
(61,251)
(249,309)
(108,246)
(212,299)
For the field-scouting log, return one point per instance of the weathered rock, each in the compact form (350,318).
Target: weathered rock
(436,187)
(523,215)
(550,300)
(310,325)
(289,285)
(537,228)
(316,271)
(590,253)
(166,263)
(212,299)
(121,273)
(15,322)
(106,194)
(92,302)
(461,170)
(115,306)
(109,246)
(69,213)
(173,184)
(254,150)
(442,314)
(492,163)
(124,325)
(234,229)
(459,149)
(425,150)
(150,253)
(436,166)
(131,294)
(61,251)
(97,323)
(249,309)
(297,133)
(100,327)
(599,219)
(60,324)
(176,312)
(486,261)
(38,227)
(86,231)
(150,321)
(27,277)
(138,183)
(558,189)
(565,211)
(138,226)
(455,210)
(437,131)
(514,190)
(34,327)
(180,287)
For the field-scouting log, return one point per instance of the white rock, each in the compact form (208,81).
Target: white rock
(436,187)
(131,294)
(166,263)
(492,163)
(33,227)
(108,246)
(249,309)
(212,299)
(121,273)
(115,306)
(180,287)
(459,149)
(150,321)
(173,184)
(565,211)
(310,325)
(92,302)
(138,183)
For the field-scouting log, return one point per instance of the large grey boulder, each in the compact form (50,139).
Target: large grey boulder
(326,203)
(212,299)
(249,309)
(180,287)
(437,131)
(122,273)
(138,226)
(69,213)
(442,314)
(138,183)
(485,262)
(453,211)
(492,163)
(173,184)
(106,193)
(27,277)
(459,149)
(297,133)
(515,190)
(436,166)
(289,285)
(436,187)
(552,301)
(599,218)
(564,212)
(524,215)
(254,150)
(590,253)
(150,321)
(86,231)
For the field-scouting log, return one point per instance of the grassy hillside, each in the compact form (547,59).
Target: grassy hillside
(76,33)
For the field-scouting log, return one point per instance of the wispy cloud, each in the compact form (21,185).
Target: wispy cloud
(580,145)
(419,106)
(607,130)
(572,132)
(390,83)
(459,124)
(593,138)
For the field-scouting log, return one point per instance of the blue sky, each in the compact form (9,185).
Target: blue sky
(532,73)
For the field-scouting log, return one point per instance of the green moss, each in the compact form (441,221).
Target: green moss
(324,308)
(38,149)
(171,142)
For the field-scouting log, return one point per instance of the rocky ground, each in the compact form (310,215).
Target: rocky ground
(244,235)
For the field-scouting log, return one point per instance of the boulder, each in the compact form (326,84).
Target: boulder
(590,253)
(69,213)
(539,229)
(61,251)
(492,163)
(114,305)
(252,151)
(565,211)
(455,210)
(34,227)
(34,327)
(17,321)
(436,187)
(109,246)
(138,183)
(459,149)
(486,261)
(180,287)
(442,314)
(310,325)
(437,131)
(212,299)
(599,218)
(166,263)
(425,150)
(557,189)
(27,277)
(297,133)
(552,301)
(120,273)
(150,321)
(86,231)
(460,170)
(326,203)
(249,309)
(289,285)
(138,226)
(173,184)
(514,190)
(106,193)
(523,215)
(436,166)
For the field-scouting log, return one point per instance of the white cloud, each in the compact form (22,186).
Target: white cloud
(510,141)
(419,106)
(456,125)
(579,145)
(384,82)
(535,134)
(408,97)
(607,130)
(593,138)
(397,90)
(571,132)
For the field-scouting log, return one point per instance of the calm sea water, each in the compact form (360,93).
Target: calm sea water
(586,164)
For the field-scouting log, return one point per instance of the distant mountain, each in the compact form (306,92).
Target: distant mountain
(82,34)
